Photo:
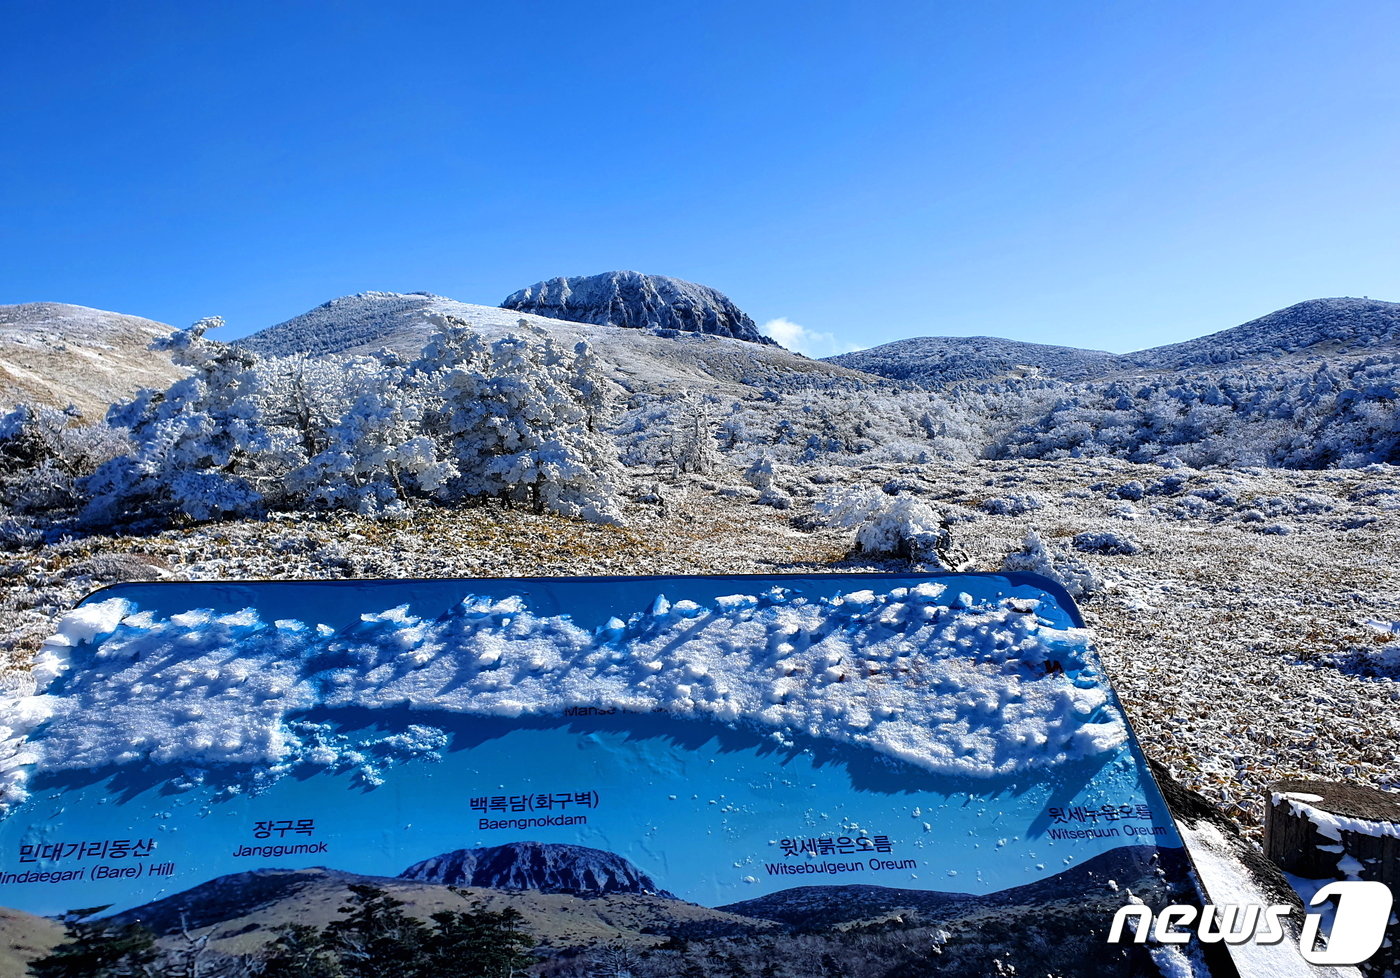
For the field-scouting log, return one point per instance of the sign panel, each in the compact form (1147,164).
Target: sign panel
(788,775)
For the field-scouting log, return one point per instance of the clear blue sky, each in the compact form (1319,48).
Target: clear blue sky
(1111,175)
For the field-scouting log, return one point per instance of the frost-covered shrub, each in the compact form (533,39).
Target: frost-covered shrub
(1039,557)
(775,497)
(1013,505)
(1218,494)
(1167,485)
(1300,505)
(1131,491)
(760,474)
(901,526)
(196,446)
(1106,542)
(1345,415)
(43,454)
(850,506)
(836,424)
(907,529)
(18,534)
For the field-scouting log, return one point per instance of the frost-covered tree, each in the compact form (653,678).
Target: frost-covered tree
(520,421)
(542,438)
(376,456)
(196,445)
(692,445)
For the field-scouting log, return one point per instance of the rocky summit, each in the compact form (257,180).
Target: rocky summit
(638,301)
(548,867)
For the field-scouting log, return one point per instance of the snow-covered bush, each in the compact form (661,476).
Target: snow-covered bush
(1345,414)
(44,452)
(760,474)
(900,527)
(907,529)
(197,446)
(775,497)
(849,506)
(1106,542)
(1013,505)
(1039,557)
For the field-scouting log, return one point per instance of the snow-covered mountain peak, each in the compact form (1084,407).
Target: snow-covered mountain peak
(635,300)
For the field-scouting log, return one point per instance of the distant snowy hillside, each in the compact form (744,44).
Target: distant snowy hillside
(1318,328)
(639,301)
(1302,334)
(950,359)
(54,353)
(639,360)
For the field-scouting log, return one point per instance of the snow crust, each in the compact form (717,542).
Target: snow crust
(1230,883)
(1330,825)
(978,691)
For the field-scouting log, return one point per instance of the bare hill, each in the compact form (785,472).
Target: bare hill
(24,937)
(59,354)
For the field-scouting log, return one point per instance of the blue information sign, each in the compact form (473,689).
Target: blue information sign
(856,774)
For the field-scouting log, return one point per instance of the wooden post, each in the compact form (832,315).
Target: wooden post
(1325,830)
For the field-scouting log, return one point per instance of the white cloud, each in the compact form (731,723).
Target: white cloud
(806,341)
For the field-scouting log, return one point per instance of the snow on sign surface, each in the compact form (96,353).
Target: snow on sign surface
(888,763)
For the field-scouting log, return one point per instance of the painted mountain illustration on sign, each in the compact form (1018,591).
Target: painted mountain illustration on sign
(547,867)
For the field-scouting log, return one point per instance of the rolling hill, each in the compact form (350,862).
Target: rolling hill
(58,354)
(1303,333)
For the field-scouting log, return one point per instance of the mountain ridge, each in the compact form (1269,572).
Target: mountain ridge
(56,353)
(1304,331)
(637,359)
